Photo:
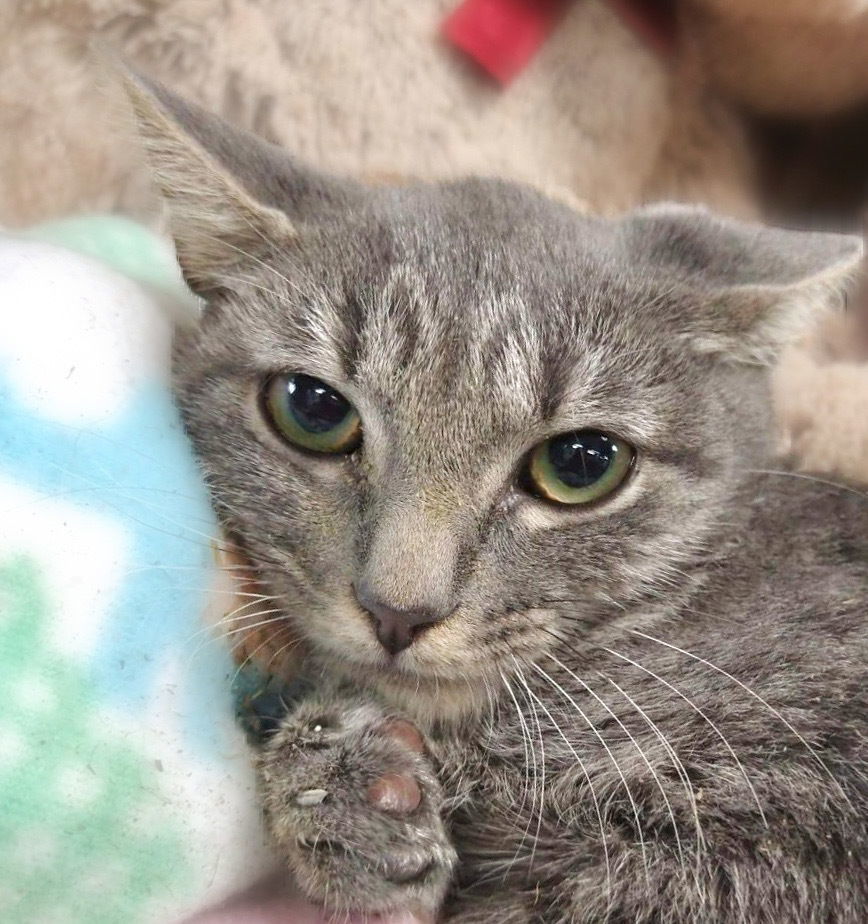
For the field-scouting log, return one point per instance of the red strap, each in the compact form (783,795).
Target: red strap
(503,35)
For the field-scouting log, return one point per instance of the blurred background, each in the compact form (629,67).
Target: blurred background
(755,108)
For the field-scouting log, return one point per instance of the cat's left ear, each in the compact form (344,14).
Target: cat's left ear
(747,290)
(231,197)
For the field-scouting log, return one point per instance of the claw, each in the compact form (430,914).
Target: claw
(310,797)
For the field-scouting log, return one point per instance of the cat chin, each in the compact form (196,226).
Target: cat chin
(426,697)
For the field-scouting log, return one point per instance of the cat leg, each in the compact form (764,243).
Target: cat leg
(353,802)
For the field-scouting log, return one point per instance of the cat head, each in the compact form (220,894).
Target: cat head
(457,424)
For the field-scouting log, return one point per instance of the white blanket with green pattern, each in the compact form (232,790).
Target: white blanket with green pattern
(125,792)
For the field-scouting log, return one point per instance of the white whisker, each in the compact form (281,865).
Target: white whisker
(804,476)
(636,745)
(249,628)
(287,646)
(535,714)
(775,712)
(529,768)
(583,768)
(702,715)
(676,762)
(596,732)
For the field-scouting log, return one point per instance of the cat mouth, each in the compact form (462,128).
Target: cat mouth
(417,676)
(276,643)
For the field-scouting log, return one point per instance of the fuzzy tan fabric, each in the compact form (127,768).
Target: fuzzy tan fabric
(362,87)
(821,388)
(783,57)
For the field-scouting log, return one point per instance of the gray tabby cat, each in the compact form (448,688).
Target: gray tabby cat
(576,651)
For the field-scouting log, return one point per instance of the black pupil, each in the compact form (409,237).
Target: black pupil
(315,406)
(582,457)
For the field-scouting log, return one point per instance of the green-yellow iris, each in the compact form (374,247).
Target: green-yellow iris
(311,414)
(578,467)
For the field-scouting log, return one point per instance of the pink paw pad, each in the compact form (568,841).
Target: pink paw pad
(398,793)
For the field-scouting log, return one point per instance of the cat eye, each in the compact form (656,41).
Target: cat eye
(311,414)
(578,467)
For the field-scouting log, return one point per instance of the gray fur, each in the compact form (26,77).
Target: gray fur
(579,768)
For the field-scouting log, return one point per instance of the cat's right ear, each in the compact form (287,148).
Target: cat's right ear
(231,197)
(750,289)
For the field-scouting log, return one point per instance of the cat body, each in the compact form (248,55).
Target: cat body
(747,810)
(719,746)
(533,693)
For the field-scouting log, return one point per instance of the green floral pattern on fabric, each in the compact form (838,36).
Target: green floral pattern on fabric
(84,835)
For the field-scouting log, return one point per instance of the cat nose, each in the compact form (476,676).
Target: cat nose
(396,629)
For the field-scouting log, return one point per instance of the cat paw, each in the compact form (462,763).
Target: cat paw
(352,801)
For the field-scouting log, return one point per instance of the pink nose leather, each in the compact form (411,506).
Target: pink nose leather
(396,629)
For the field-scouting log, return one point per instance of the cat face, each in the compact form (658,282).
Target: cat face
(459,424)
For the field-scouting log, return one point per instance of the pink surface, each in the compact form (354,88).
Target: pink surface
(273,901)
